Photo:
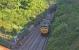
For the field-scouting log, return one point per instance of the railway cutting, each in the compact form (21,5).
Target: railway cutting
(36,39)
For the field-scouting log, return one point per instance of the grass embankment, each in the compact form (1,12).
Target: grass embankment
(15,14)
(65,28)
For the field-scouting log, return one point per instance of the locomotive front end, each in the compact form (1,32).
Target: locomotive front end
(44,27)
(44,30)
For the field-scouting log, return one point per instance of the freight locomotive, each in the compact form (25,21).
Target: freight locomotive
(44,27)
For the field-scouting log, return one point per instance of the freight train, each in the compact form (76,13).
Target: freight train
(44,27)
(45,23)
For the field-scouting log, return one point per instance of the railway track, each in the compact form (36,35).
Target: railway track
(34,41)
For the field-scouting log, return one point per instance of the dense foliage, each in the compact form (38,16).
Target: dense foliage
(14,14)
(65,28)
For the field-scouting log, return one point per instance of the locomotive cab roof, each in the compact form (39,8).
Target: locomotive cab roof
(45,22)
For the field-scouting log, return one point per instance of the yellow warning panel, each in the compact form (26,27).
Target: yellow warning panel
(3,48)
